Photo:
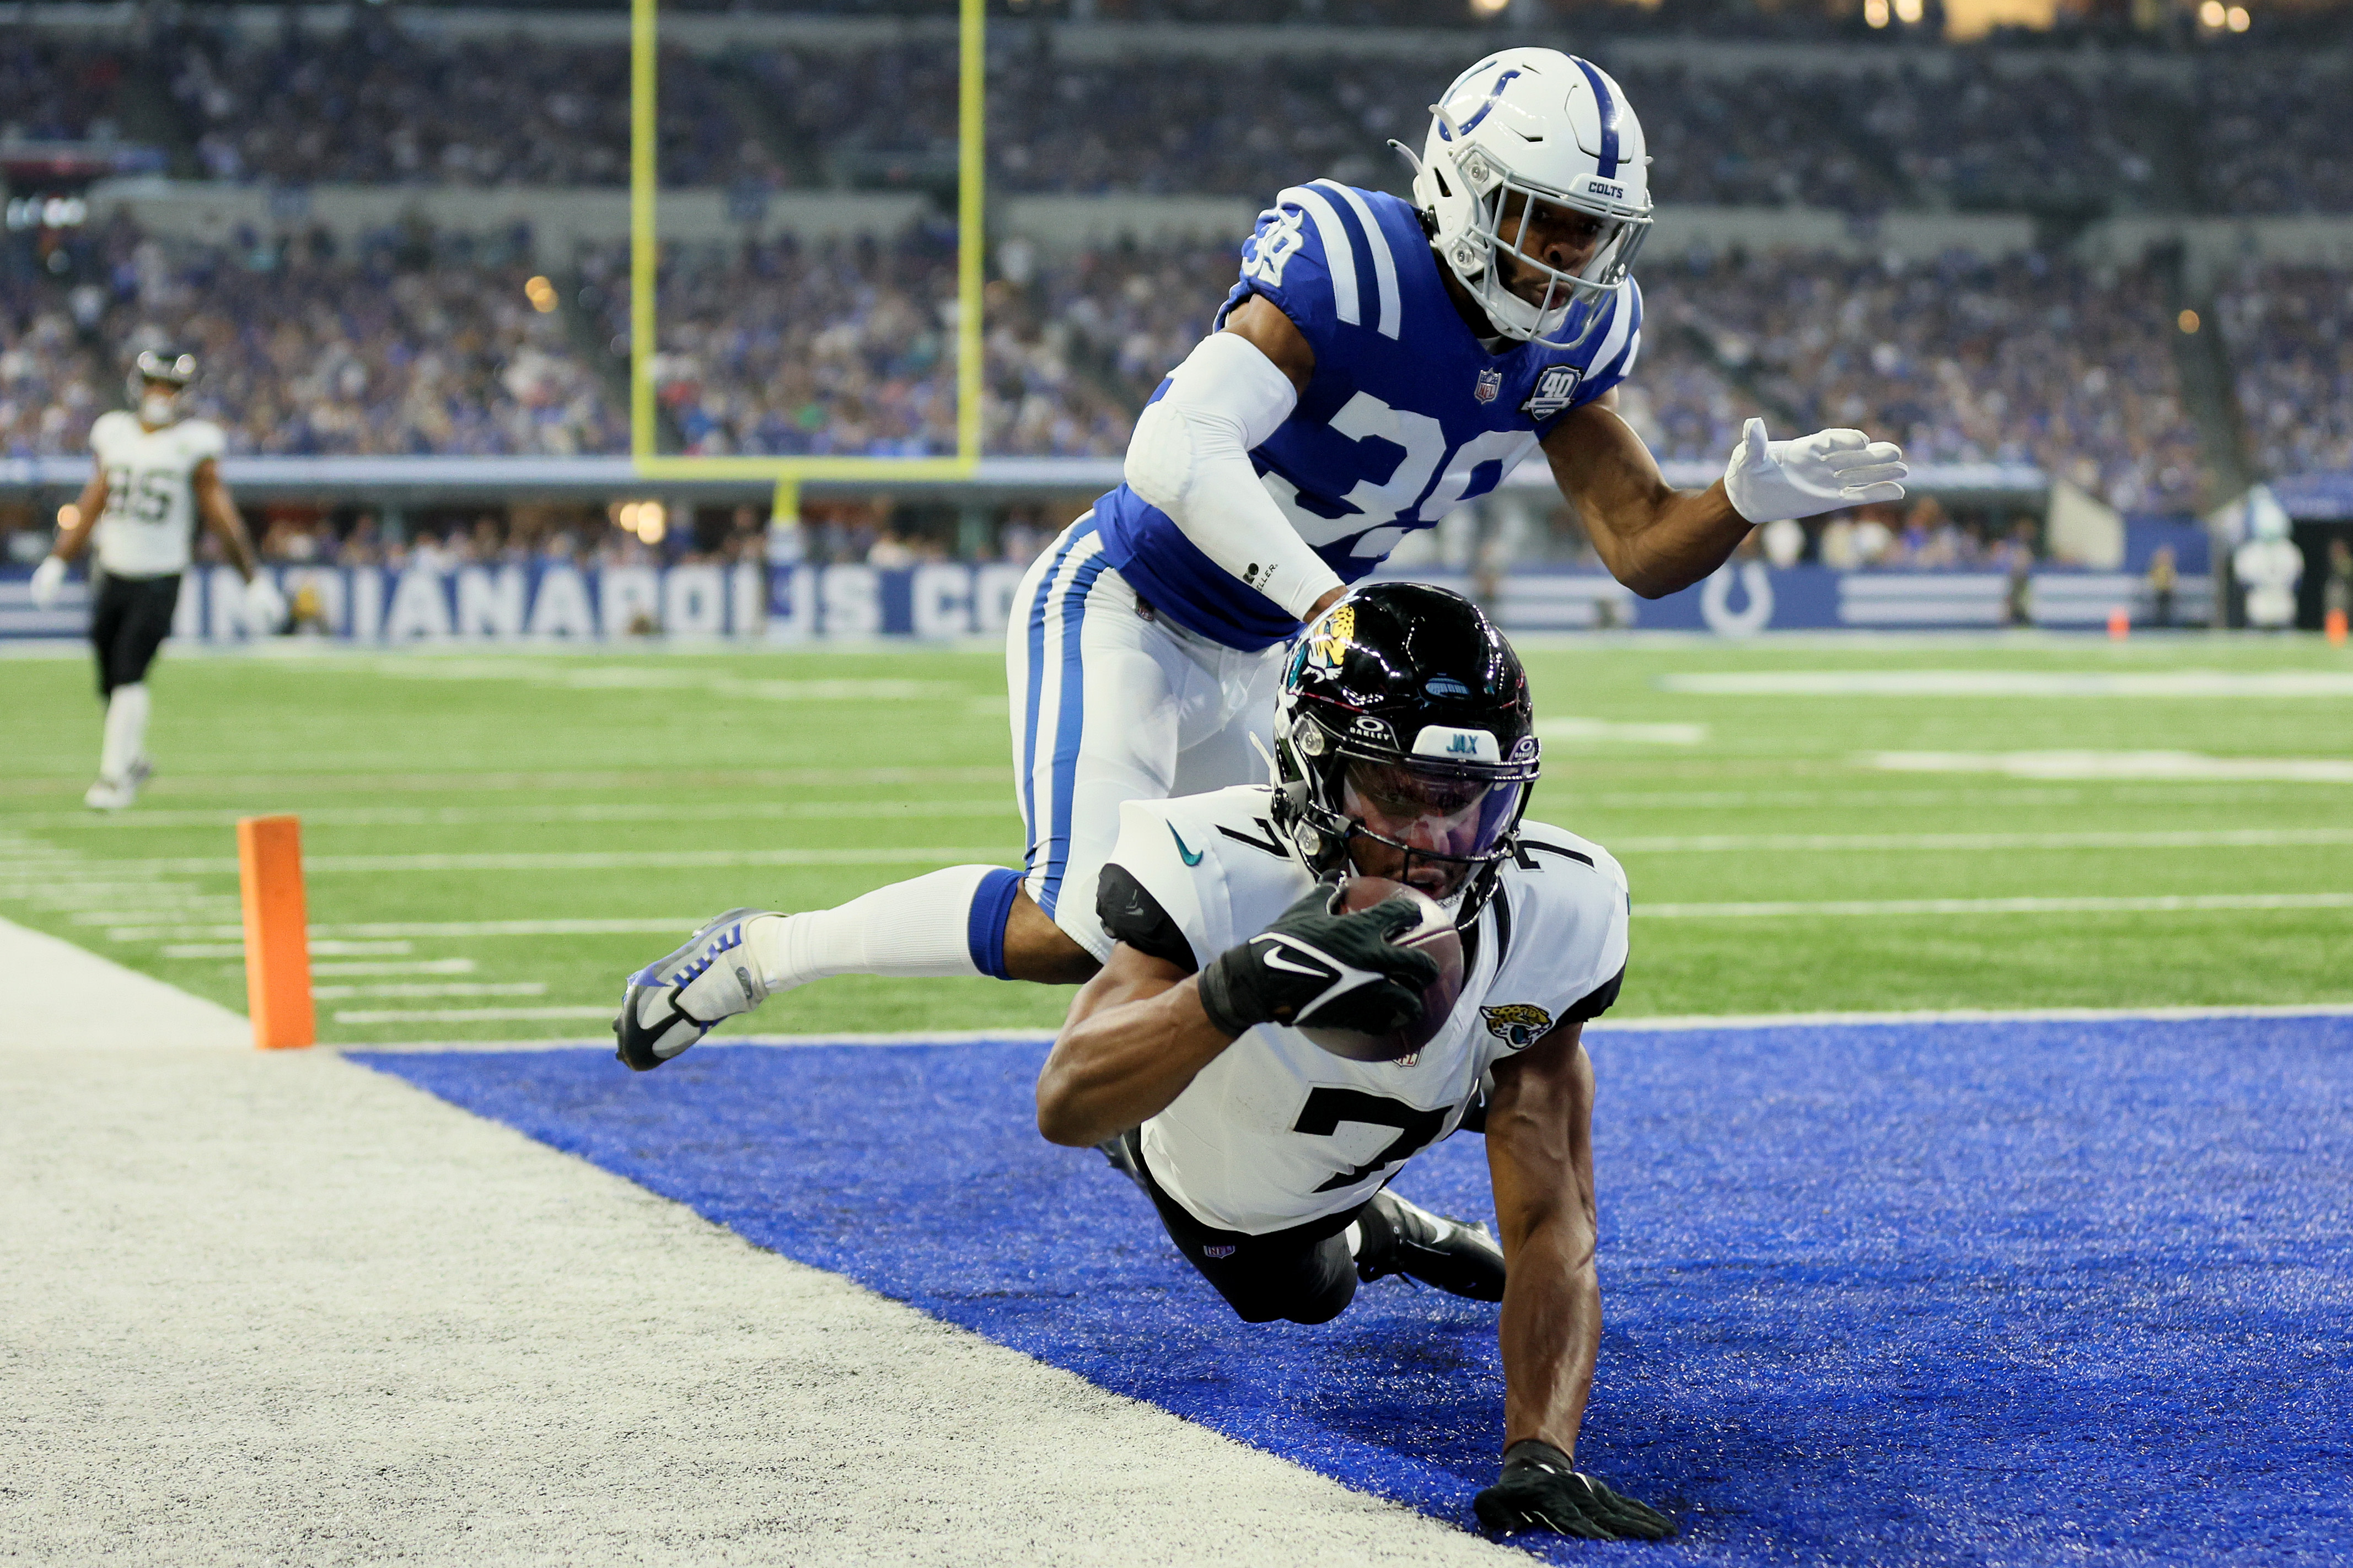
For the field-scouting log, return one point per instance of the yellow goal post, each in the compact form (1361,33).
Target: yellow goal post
(645,258)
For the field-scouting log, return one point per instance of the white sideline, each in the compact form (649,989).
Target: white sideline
(275,1306)
(1659,1024)
(76,1000)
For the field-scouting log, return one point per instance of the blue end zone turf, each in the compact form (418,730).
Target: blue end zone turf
(2009,1293)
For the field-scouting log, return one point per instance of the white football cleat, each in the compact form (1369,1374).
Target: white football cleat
(111,794)
(671,1002)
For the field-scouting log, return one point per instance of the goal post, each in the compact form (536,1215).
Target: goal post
(645,261)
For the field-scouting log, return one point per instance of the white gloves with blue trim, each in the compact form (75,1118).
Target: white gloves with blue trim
(1769,480)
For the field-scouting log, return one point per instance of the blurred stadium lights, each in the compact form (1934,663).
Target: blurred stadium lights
(541,295)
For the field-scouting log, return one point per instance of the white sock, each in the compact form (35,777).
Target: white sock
(126,731)
(918,927)
(1355,1236)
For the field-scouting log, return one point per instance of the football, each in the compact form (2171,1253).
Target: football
(1435,935)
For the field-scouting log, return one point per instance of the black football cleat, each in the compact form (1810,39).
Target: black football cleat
(1397,1237)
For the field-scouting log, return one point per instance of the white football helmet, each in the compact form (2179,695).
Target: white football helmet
(1549,129)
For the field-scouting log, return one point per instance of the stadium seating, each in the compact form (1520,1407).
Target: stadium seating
(378,103)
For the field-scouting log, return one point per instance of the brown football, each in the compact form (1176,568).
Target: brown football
(1436,936)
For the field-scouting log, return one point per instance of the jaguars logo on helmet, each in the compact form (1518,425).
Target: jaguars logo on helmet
(1517,1025)
(1327,645)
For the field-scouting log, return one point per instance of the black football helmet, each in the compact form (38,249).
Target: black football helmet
(152,369)
(1405,744)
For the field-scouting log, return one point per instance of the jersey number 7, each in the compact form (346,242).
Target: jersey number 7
(1327,1108)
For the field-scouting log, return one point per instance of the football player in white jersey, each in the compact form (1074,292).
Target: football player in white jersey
(1378,362)
(1406,750)
(155,474)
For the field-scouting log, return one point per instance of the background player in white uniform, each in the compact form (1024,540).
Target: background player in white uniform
(153,475)
(1378,362)
(1408,753)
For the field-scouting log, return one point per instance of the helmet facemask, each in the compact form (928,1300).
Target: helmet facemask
(1442,828)
(1510,213)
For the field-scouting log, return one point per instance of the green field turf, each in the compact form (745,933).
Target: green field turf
(695,761)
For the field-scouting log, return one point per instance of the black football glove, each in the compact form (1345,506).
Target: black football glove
(1541,1489)
(1313,967)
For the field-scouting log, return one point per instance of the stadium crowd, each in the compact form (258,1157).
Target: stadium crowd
(379,102)
(416,343)
(2291,335)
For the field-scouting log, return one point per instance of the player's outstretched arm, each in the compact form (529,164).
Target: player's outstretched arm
(1135,1035)
(1139,1030)
(1540,1158)
(1656,539)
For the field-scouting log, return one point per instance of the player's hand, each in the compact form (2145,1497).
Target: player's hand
(1769,480)
(49,577)
(1542,1488)
(265,606)
(1313,967)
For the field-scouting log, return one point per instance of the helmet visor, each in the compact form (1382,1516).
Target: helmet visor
(1427,828)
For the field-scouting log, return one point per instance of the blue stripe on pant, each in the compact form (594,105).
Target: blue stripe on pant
(1068,728)
(1037,684)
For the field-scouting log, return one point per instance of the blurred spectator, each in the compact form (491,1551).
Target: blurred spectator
(2027,360)
(2291,334)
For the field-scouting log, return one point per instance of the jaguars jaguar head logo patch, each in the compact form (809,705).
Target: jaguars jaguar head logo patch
(1517,1025)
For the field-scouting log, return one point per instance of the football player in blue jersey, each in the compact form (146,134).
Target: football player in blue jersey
(1378,362)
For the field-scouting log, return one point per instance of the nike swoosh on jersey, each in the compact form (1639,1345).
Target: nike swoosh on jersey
(1190,857)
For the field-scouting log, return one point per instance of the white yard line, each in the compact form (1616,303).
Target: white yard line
(418,992)
(677,925)
(472,1015)
(2181,838)
(2119,766)
(2040,683)
(579,861)
(1612,1024)
(2162,903)
(995,803)
(245,787)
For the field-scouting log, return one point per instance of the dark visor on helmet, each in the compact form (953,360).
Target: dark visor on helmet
(1429,826)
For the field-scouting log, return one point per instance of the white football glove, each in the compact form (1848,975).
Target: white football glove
(265,606)
(1769,480)
(49,577)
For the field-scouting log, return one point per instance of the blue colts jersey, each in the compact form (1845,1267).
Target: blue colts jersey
(1407,416)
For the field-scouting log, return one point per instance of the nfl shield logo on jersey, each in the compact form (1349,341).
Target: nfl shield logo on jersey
(1491,382)
(1554,387)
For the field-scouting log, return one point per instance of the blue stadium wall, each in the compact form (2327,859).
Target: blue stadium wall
(554,602)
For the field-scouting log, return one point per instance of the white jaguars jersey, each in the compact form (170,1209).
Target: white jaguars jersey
(1278,1131)
(149,526)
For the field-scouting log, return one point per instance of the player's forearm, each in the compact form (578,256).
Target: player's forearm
(1667,539)
(221,514)
(1550,1332)
(1117,1065)
(75,535)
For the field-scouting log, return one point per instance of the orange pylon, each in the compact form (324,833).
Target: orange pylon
(277,933)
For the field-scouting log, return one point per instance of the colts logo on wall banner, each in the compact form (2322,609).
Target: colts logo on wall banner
(1491,382)
(1554,387)
(1516,1024)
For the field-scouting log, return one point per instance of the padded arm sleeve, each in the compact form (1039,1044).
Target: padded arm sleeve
(1190,458)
